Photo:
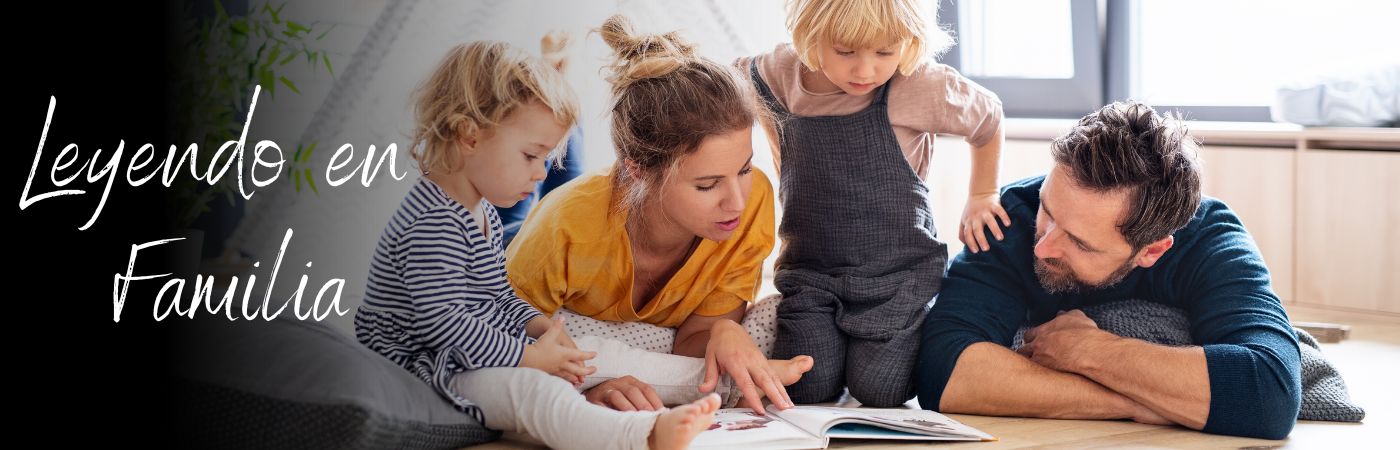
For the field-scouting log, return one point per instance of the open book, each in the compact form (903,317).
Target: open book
(814,426)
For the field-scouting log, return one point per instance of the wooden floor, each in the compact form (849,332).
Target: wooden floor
(1369,362)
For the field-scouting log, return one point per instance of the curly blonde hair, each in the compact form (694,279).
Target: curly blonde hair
(472,90)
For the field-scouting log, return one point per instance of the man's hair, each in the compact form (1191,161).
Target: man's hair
(1128,146)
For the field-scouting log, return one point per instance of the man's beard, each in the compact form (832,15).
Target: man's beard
(1063,279)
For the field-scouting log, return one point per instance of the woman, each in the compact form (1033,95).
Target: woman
(675,234)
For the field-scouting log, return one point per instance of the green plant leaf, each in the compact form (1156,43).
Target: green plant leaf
(330,69)
(257,54)
(267,6)
(272,56)
(265,79)
(289,84)
(324,33)
(307,156)
(311,182)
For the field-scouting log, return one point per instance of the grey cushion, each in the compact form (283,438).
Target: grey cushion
(290,383)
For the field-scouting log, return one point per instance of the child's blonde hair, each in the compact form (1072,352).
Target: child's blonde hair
(865,24)
(472,90)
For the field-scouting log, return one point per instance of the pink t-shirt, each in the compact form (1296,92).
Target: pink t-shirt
(935,99)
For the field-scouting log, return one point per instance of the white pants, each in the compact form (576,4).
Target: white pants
(546,407)
(675,378)
(643,351)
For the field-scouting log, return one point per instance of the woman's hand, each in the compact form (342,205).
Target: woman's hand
(982,211)
(624,394)
(731,351)
(557,355)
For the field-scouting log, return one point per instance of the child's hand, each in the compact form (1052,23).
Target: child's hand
(555,354)
(982,211)
(564,338)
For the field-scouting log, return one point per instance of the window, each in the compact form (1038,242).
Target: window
(1212,59)
(1041,57)
(1041,47)
(1224,59)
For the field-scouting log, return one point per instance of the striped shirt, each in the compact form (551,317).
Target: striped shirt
(437,301)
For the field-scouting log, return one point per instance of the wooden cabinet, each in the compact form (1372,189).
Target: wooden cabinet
(1348,237)
(1257,183)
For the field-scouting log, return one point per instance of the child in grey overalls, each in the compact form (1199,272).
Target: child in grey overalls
(861,261)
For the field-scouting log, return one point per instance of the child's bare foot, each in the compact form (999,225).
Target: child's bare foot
(675,428)
(790,370)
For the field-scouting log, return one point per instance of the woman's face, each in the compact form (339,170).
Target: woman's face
(707,194)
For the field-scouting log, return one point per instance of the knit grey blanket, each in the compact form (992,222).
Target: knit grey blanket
(1324,393)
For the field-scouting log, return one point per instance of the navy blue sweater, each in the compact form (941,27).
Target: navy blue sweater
(1213,271)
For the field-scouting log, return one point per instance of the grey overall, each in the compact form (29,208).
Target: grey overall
(861,261)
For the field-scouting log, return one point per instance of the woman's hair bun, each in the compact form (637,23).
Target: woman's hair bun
(642,56)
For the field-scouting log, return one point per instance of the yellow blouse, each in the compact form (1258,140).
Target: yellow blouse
(573,252)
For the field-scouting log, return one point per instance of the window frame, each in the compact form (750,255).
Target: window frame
(1104,33)
(1121,31)
(1045,97)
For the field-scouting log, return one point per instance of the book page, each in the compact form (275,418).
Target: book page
(737,427)
(812,419)
(862,431)
(818,419)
